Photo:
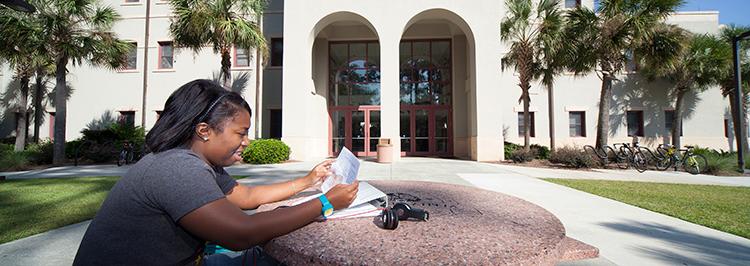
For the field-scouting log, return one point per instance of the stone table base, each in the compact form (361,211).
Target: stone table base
(467,226)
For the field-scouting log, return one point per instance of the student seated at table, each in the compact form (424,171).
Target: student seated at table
(175,199)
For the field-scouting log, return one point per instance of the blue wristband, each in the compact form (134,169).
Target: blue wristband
(327,207)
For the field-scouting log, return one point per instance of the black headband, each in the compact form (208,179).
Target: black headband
(210,107)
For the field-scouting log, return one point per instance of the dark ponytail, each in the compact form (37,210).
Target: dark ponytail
(195,102)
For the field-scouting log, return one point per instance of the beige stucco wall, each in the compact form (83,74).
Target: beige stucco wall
(305,125)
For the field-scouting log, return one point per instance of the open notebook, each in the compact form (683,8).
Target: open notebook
(369,200)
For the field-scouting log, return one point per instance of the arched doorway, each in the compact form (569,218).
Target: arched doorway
(354,96)
(425,86)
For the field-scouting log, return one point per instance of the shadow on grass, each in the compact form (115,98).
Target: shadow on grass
(38,205)
(712,251)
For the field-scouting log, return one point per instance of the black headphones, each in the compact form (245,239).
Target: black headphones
(400,212)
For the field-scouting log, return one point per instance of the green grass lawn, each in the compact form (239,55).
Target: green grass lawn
(32,206)
(719,207)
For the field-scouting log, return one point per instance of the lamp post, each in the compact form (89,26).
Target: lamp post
(738,98)
(18,5)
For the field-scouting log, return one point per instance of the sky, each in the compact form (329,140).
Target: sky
(730,11)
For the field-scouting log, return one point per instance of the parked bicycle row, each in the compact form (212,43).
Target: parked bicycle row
(665,156)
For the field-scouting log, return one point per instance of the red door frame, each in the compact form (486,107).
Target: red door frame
(348,136)
(431,132)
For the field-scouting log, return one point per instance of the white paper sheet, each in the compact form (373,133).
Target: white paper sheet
(345,170)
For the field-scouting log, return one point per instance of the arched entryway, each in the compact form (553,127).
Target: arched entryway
(435,59)
(346,70)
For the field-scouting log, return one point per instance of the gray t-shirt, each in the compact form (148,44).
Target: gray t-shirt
(137,223)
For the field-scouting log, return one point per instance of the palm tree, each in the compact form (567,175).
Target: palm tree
(23,51)
(699,64)
(601,40)
(220,23)
(727,81)
(77,31)
(530,29)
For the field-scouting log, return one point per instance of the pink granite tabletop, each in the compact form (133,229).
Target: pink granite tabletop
(467,226)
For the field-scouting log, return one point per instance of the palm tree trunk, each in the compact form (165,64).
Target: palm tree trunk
(226,64)
(61,106)
(551,113)
(676,121)
(22,125)
(526,121)
(602,127)
(38,112)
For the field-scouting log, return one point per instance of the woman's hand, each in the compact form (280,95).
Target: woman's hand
(318,174)
(342,195)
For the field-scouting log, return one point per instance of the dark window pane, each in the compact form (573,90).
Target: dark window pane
(441,123)
(242,57)
(276,124)
(407,93)
(635,123)
(421,123)
(132,57)
(167,55)
(441,53)
(339,55)
(357,51)
(127,118)
(577,124)
(521,124)
(277,51)
(422,93)
(373,54)
(404,53)
(423,145)
(405,131)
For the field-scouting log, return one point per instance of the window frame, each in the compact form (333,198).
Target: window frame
(640,132)
(532,127)
(582,125)
(161,45)
(235,58)
(272,58)
(128,67)
(122,118)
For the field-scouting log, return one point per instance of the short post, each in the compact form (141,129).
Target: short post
(385,151)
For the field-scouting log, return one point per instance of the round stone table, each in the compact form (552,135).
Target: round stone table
(467,226)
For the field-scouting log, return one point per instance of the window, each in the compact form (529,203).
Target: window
(577,124)
(241,57)
(572,3)
(635,123)
(726,128)
(52,126)
(520,124)
(277,51)
(275,123)
(668,116)
(127,118)
(131,59)
(132,1)
(166,55)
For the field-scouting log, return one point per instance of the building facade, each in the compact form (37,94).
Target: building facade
(424,74)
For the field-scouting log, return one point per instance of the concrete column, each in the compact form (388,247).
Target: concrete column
(389,88)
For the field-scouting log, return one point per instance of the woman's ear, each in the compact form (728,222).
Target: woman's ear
(202,130)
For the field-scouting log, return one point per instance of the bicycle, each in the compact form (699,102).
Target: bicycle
(691,162)
(126,155)
(634,156)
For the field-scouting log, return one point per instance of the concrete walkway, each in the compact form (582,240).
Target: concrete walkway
(625,235)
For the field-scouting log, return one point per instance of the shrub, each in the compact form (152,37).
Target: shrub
(509,148)
(542,152)
(103,145)
(522,155)
(6,148)
(40,153)
(13,161)
(720,165)
(266,151)
(572,157)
